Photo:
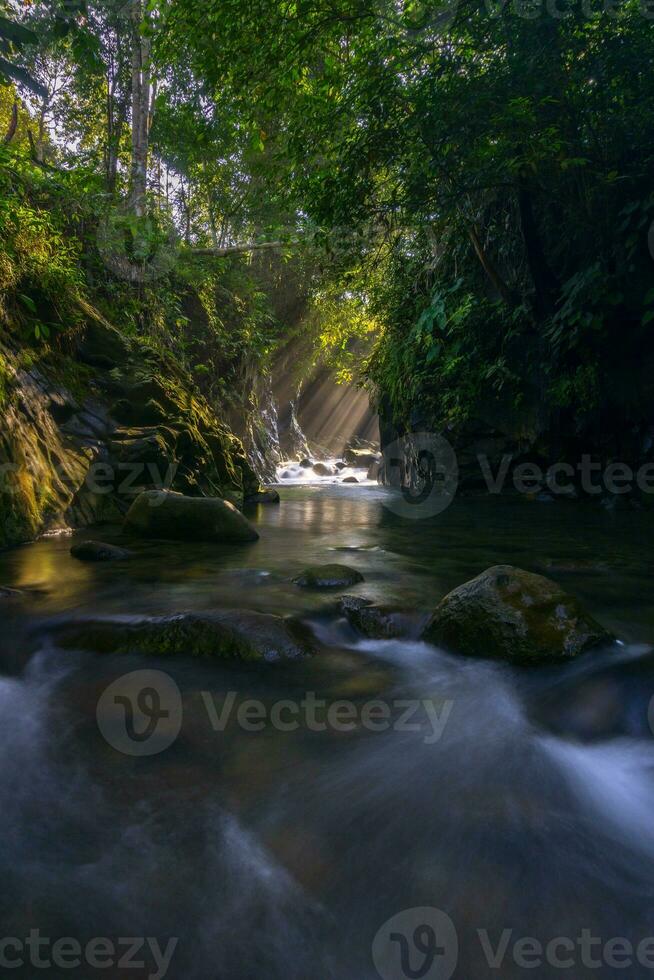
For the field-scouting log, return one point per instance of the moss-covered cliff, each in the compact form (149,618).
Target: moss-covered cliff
(82,431)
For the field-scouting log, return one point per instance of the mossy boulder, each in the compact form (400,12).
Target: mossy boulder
(227,635)
(166,514)
(102,345)
(372,620)
(98,551)
(507,613)
(328,577)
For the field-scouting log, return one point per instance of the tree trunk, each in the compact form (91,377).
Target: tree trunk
(239,249)
(13,124)
(489,267)
(141,110)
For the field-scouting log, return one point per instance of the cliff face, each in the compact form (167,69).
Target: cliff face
(83,432)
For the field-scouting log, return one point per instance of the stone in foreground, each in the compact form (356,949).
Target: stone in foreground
(328,577)
(165,514)
(233,634)
(509,614)
(98,551)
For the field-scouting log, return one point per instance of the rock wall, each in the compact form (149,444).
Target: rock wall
(83,432)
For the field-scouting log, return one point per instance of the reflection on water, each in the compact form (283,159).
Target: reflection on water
(277,854)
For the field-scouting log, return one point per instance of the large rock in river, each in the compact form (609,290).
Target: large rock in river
(510,614)
(165,514)
(231,634)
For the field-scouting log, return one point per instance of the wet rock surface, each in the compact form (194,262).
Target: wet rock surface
(165,514)
(378,622)
(98,551)
(233,634)
(511,614)
(328,577)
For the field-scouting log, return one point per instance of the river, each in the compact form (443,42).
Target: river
(519,806)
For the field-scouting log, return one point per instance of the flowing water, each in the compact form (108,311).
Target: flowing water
(519,804)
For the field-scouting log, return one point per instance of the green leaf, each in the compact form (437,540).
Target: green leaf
(28,302)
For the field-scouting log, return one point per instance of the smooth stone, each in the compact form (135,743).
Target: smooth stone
(98,551)
(507,613)
(165,514)
(328,577)
(231,634)
(350,479)
(306,464)
(322,469)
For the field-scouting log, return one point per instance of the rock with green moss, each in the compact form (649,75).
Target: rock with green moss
(57,427)
(227,635)
(166,514)
(507,613)
(375,621)
(100,344)
(331,576)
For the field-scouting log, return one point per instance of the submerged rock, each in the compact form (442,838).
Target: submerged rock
(165,514)
(233,634)
(377,622)
(328,577)
(511,614)
(350,479)
(265,496)
(98,551)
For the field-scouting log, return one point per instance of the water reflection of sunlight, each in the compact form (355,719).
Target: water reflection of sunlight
(42,566)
